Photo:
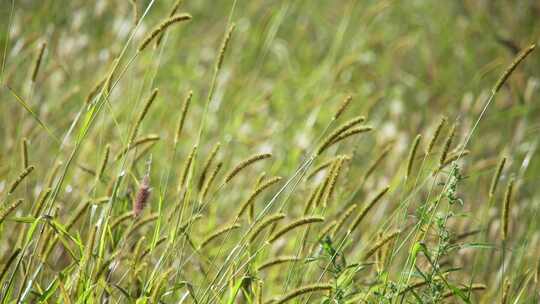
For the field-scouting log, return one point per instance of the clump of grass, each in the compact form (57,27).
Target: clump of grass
(92,235)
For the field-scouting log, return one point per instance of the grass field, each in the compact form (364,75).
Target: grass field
(257,152)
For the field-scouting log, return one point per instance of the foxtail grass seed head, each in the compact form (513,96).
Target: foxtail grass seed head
(208,164)
(6,211)
(323,188)
(39,60)
(472,287)
(244,164)
(38,206)
(506,291)
(142,115)
(19,179)
(8,263)
(208,184)
(496,177)
(189,222)
(435,136)
(148,139)
(297,223)
(264,222)
(325,231)
(121,219)
(78,215)
(380,243)
(342,107)
(251,207)
(224,46)
(217,233)
(142,222)
(506,208)
(344,216)
(366,209)
(447,145)
(54,173)
(162,27)
(142,196)
(320,168)
(454,156)
(256,193)
(183,115)
(311,200)
(334,175)
(303,290)
(520,57)
(277,261)
(412,155)
(350,133)
(345,130)
(174,9)
(95,90)
(24,152)
(187,166)
(104,162)
(90,243)
(108,84)
(377,161)
(135,10)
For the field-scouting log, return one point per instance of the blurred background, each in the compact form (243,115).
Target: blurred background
(289,65)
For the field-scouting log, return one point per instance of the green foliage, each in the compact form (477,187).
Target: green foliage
(265,82)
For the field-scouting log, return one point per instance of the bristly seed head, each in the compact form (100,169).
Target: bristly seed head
(143,194)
